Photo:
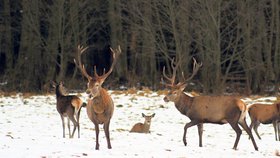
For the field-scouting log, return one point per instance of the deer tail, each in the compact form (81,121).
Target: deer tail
(84,104)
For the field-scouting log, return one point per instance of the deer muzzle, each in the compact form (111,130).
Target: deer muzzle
(88,91)
(166,99)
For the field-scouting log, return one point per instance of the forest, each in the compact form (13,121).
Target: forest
(238,42)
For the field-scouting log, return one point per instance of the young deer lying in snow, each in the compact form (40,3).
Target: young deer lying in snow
(68,106)
(143,127)
(265,114)
(206,109)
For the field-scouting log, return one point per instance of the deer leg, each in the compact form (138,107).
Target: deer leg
(71,117)
(97,134)
(190,124)
(278,129)
(255,126)
(68,125)
(107,134)
(78,121)
(249,132)
(238,132)
(63,125)
(274,123)
(200,131)
(251,126)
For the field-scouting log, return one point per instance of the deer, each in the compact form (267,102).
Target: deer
(68,106)
(205,109)
(265,114)
(100,106)
(143,127)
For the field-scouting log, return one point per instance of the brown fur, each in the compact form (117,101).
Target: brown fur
(68,106)
(210,109)
(100,105)
(265,114)
(143,127)
(206,109)
(100,110)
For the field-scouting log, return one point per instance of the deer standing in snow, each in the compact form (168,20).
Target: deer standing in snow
(265,114)
(68,106)
(206,109)
(100,106)
(143,127)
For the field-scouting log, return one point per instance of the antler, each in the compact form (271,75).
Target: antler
(174,67)
(196,67)
(115,54)
(79,63)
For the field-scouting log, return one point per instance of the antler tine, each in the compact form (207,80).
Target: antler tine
(104,71)
(183,75)
(166,84)
(174,67)
(79,63)
(168,78)
(196,67)
(95,71)
(115,54)
(81,49)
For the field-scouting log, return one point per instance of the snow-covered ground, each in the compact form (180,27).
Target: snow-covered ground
(31,127)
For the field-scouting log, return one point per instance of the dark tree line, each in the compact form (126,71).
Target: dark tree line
(237,41)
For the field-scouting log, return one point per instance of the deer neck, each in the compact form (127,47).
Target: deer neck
(58,92)
(102,97)
(146,127)
(184,103)
(101,101)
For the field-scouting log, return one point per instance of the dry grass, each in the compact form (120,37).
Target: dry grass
(162,92)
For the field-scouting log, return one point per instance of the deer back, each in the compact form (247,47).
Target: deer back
(64,101)
(264,113)
(210,108)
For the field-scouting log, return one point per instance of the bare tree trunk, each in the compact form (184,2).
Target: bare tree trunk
(6,38)
(116,36)
(29,58)
(276,17)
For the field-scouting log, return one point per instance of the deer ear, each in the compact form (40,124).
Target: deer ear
(153,115)
(143,115)
(53,83)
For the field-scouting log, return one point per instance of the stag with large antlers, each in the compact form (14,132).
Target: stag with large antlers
(206,109)
(100,105)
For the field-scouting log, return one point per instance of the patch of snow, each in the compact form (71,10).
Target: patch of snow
(31,127)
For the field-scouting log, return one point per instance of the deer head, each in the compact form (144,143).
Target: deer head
(148,118)
(95,82)
(177,89)
(59,87)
